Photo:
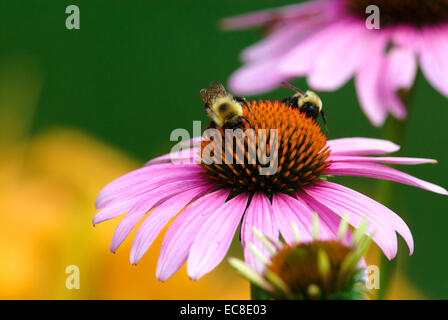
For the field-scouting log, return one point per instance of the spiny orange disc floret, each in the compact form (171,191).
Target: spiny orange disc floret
(299,153)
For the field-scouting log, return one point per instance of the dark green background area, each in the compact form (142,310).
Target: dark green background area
(133,72)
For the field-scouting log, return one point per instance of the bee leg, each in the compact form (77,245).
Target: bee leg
(291,101)
(295,102)
(324,119)
(286,100)
(211,125)
(209,112)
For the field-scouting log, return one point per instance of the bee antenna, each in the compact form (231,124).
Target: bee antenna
(290,86)
(247,119)
(247,104)
(324,119)
(244,102)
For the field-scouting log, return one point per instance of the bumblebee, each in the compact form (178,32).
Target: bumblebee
(225,110)
(307,102)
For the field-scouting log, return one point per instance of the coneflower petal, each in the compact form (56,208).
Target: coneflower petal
(361,146)
(258,215)
(153,184)
(114,210)
(384,233)
(213,239)
(328,221)
(158,218)
(123,201)
(143,206)
(378,171)
(183,156)
(143,177)
(376,208)
(180,235)
(191,143)
(391,160)
(286,213)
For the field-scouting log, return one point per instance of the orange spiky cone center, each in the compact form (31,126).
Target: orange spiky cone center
(281,138)
(417,12)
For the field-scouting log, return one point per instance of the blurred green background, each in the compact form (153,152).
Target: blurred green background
(133,72)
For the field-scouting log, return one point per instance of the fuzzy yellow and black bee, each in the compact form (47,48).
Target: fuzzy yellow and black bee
(225,110)
(307,102)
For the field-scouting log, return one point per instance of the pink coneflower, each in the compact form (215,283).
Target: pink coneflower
(328,41)
(210,200)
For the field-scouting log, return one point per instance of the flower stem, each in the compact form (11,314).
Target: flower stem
(257,294)
(395,131)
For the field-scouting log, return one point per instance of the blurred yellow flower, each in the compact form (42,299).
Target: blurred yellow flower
(46,199)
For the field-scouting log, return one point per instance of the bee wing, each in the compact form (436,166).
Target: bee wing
(204,95)
(217,87)
(216,90)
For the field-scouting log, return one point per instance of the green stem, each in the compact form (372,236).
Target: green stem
(257,294)
(395,131)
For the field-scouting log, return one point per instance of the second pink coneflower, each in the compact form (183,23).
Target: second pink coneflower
(328,42)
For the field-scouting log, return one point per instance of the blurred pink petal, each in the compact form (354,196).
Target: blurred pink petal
(433,57)
(299,59)
(277,41)
(335,65)
(300,12)
(252,78)
(368,83)
(400,70)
